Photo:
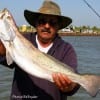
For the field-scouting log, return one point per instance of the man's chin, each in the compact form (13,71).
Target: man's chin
(46,34)
(45,39)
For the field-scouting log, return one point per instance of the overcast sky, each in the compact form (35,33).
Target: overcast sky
(80,13)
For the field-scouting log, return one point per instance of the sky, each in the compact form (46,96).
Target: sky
(80,13)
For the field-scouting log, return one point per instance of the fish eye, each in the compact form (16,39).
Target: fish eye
(8,17)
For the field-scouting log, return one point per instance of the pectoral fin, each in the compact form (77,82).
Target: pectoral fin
(9,58)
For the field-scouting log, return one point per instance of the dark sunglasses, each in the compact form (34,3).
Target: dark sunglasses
(50,21)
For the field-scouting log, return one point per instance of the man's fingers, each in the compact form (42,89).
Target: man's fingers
(66,79)
(61,80)
(56,80)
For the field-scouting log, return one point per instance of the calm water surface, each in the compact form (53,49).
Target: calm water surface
(88,53)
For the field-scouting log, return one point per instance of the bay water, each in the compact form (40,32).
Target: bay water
(88,54)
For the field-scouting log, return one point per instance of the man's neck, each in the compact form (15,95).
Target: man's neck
(43,47)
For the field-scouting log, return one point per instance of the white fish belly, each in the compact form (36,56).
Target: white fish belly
(32,68)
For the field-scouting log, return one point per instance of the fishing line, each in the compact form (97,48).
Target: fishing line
(91,8)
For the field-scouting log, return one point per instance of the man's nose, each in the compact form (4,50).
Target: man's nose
(47,25)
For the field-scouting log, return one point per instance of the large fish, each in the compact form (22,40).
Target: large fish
(36,63)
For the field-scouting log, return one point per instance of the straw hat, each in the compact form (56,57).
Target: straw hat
(48,8)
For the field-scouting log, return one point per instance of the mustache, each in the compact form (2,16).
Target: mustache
(46,30)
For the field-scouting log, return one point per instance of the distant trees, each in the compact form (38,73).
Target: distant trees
(79,29)
(87,28)
(25,28)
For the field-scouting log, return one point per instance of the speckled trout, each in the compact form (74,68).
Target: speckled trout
(36,63)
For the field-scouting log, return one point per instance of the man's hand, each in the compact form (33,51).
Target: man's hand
(63,82)
(2,49)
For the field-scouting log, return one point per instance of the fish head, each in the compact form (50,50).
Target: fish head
(7,32)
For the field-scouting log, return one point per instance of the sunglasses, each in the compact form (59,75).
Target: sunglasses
(44,20)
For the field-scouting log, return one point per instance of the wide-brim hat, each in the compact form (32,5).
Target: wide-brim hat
(48,8)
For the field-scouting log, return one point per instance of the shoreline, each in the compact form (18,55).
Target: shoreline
(78,34)
(72,34)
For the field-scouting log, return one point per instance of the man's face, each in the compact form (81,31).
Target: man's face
(47,26)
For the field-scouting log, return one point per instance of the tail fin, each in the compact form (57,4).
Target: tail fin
(91,83)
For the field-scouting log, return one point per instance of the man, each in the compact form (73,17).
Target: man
(47,22)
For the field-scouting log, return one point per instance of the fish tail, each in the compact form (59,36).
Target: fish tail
(91,83)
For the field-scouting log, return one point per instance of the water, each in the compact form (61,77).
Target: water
(5,82)
(88,53)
